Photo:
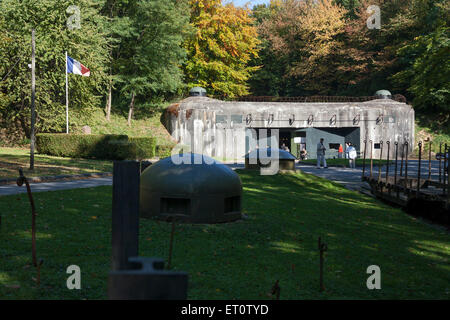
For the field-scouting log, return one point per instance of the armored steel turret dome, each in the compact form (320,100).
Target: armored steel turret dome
(260,157)
(383,94)
(198,190)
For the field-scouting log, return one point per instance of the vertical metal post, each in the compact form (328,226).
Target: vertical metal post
(379,162)
(396,160)
(172,233)
(322,248)
(387,165)
(67,98)
(440,161)
(445,163)
(429,160)
(403,156)
(371,158)
(364,159)
(448,176)
(125,213)
(33,98)
(419,170)
(406,168)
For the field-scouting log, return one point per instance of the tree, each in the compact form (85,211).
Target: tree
(426,61)
(308,36)
(224,42)
(150,58)
(53,38)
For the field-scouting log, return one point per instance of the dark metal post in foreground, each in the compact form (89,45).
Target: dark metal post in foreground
(322,248)
(125,213)
(133,277)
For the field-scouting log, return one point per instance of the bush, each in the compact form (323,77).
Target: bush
(164,151)
(105,147)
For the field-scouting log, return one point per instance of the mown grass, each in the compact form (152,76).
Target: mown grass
(241,260)
(11,159)
(146,125)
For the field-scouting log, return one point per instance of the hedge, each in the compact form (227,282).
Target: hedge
(105,147)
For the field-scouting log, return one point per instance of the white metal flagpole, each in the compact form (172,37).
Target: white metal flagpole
(67,99)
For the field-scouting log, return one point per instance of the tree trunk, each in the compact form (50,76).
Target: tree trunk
(130,112)
(108,102)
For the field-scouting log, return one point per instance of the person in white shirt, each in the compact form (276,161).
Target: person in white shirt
(351,155)
(321,154)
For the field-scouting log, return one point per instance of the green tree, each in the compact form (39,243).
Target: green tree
(87,45)
(150,56)
(425,62)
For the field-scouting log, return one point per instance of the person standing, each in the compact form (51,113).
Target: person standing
(346,152)
(321,154)
(352,155)
(340,151)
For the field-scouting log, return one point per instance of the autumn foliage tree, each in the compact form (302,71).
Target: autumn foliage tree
(309,35)
(221,47)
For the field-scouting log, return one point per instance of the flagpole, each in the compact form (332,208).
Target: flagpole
(67,99)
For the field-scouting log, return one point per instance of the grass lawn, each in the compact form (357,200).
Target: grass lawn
(13,158)
(241,260)
(345,162)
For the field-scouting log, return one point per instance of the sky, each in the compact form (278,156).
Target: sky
(252,2)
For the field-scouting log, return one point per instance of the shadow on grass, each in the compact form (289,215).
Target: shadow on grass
(241,260)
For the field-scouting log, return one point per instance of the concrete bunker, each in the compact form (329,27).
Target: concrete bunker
(299,124)
(194,191)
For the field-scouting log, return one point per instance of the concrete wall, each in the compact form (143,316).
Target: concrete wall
(201,117)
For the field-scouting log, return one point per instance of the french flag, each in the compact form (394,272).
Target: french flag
(73,66)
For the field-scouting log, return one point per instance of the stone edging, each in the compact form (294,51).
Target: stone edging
(59,178)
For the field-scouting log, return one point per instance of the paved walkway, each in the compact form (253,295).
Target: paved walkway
(55,186)
(350,178)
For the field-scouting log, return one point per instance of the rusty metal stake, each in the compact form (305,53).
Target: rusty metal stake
(322,248)
(276,290)
(20,181)
(172,233)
